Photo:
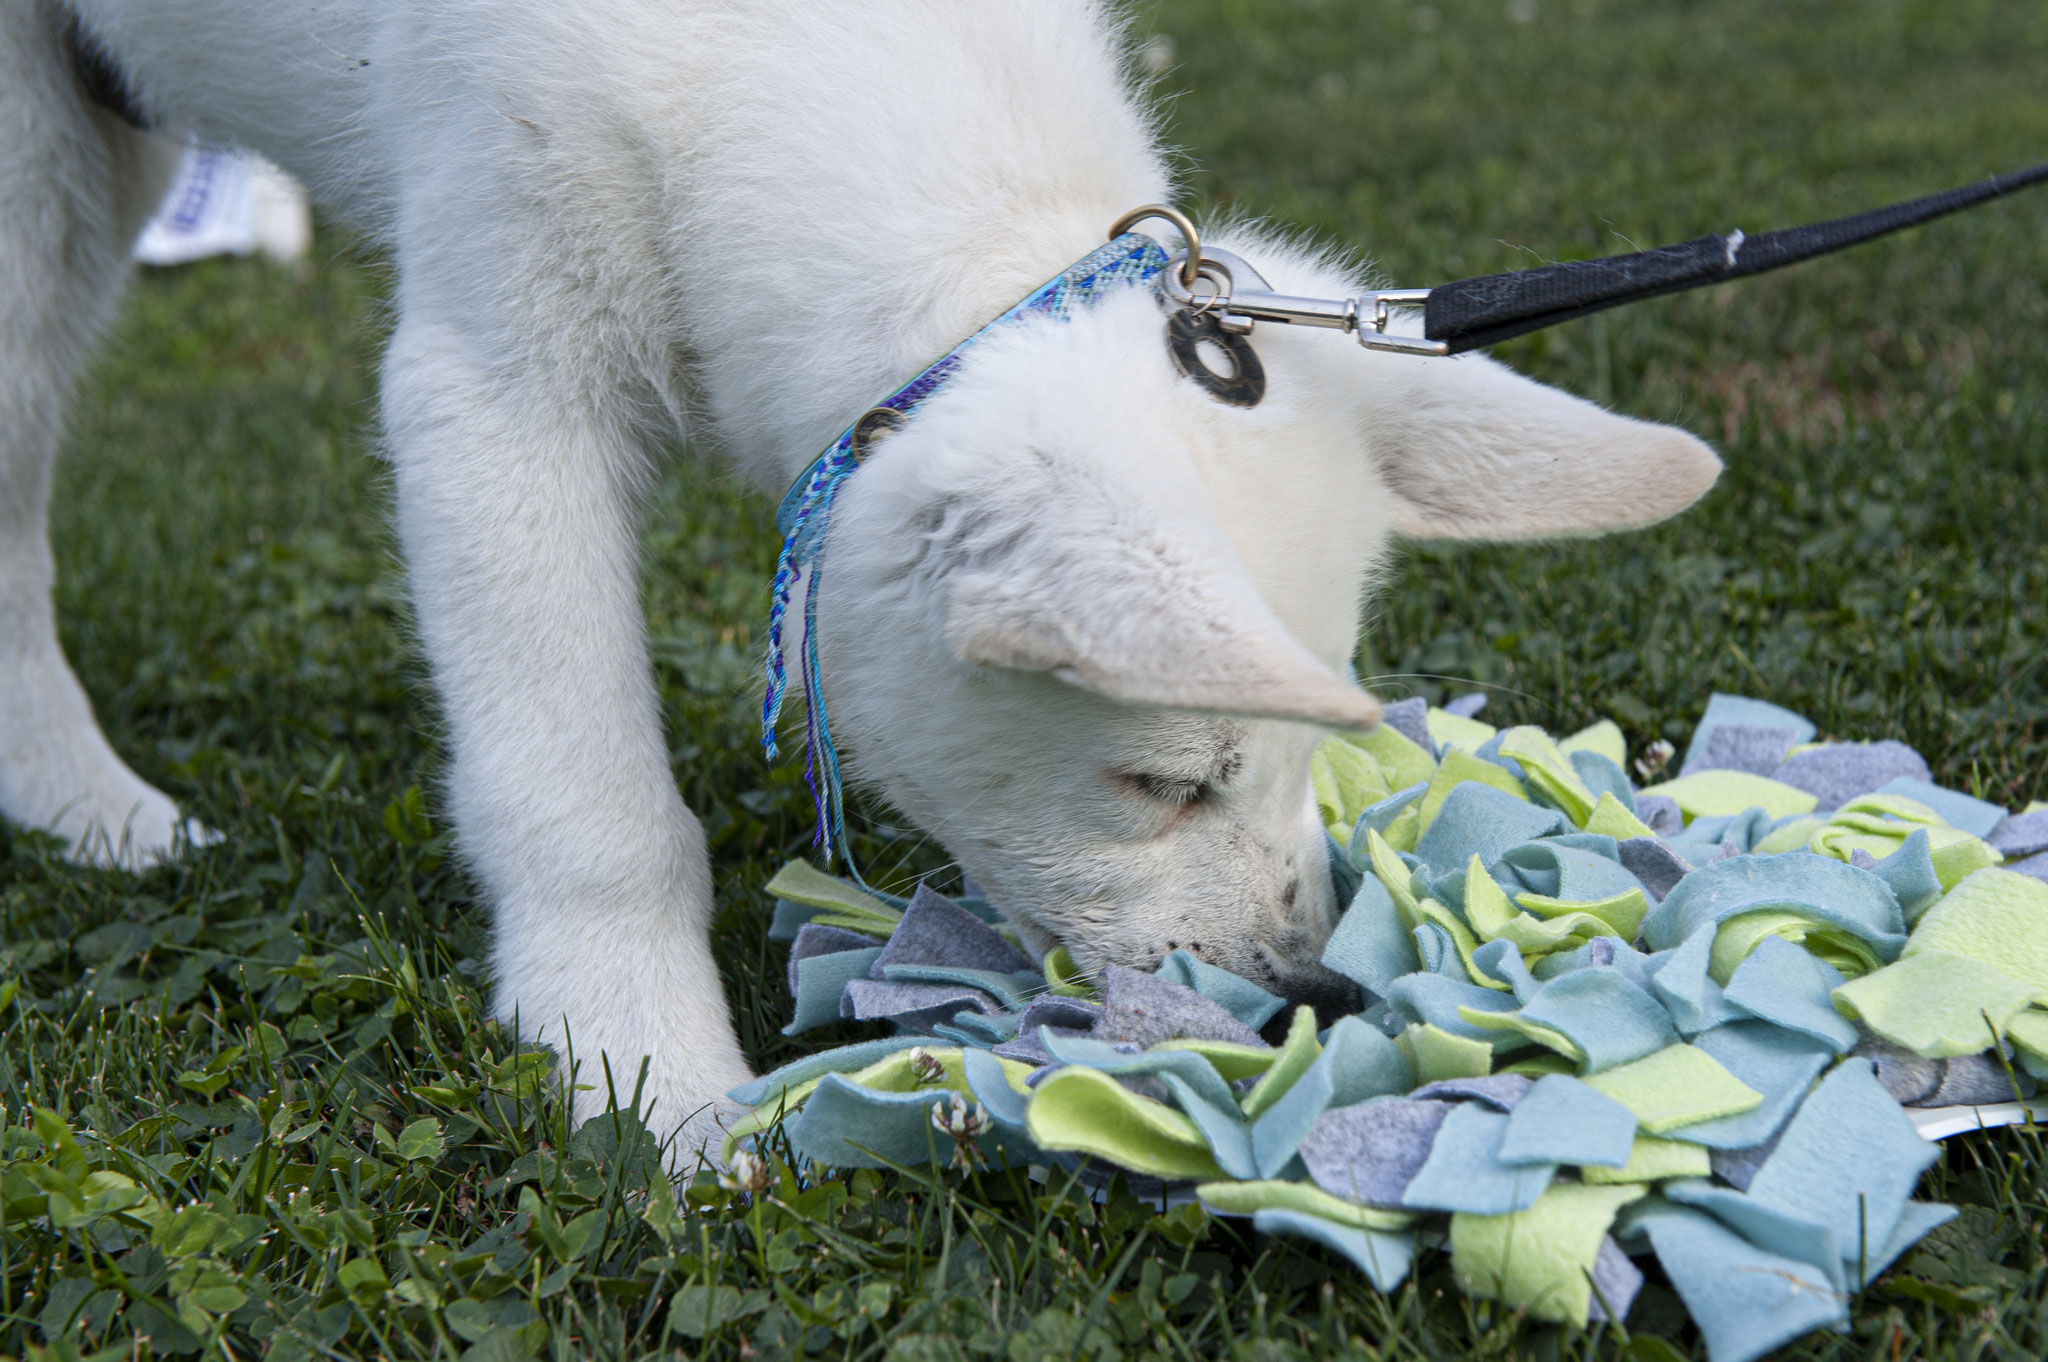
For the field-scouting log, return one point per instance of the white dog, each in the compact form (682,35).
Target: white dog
(1080,617)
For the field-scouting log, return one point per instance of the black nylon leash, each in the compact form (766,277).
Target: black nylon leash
(1471,314)
(1218,297)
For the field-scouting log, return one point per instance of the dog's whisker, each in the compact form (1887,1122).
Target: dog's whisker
(1499,687)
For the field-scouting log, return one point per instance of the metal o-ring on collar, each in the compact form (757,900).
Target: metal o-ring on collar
(872,423)
(1191,266)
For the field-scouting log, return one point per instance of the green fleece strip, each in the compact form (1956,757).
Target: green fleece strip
(1249,1198)
(1454,730)
(1708,794)
(1401,760)
(1653,1160)
(1677,1086)
(1997,918)
(1935,1004)
(1347,782)
(1457,768)
(1623,913)
(1296,1055)
(841,903)
(1234,1062)
(1541,1259)
(1550,771)
(1604,737)
(1085,1111)
(1545,1036)
(1435,1053)
(1612,818)
(1487,906)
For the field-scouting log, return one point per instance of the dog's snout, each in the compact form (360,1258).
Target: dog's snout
(1328,992)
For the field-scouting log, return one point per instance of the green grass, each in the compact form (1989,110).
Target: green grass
(276,1042)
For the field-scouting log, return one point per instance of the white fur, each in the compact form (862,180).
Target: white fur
(1071,585)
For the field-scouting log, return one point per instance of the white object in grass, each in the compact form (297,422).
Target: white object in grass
(1938,1123)
(227,202)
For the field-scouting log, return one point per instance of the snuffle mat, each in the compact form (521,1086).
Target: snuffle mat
(1716,1020)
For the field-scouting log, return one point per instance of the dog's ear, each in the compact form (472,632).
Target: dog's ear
(1143,606)
(1472,450)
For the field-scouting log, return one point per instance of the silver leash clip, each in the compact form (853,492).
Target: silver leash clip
(1239,296)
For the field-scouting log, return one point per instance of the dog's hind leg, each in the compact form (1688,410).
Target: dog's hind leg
(75,186)
(518,505)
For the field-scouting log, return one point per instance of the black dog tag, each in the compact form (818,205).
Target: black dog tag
(1197,344)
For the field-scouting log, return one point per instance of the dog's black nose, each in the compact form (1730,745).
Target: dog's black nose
(1328,992)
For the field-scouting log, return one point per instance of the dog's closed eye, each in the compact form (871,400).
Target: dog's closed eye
(1177,791)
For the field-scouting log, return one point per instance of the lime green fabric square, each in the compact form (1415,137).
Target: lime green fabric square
(1401,760)
(1549,770)
(1404,829)
(1708,794)
(1296,1055)
(1622,913)
(1955,854)
(1393,873)
(1653,1160)
(1435,1053)
(1794,835)
(1997,918)
(1737,938)
(1249,1198)
(839,904)
(1461,938)
(1457,731)
(1347,782)
(1536,936)
(1604,737)
(1457,768)
(1611,817)
(1959,857)
(1890,806)
(1487,907)
(1934,1003)
(1085,1111)
(1547,1036)
(1539,1064)
(1676,1086)
(1230,1059)
(2028,1031)
(1539,1259)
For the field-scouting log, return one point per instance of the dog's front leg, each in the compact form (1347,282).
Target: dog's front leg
(517,510)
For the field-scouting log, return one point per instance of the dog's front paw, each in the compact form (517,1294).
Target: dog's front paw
(685,1105)
(130,827)
(610,999)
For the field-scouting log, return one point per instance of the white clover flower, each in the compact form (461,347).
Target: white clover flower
(1655,758)
(965,1126)
(749,1173)
(925,1066)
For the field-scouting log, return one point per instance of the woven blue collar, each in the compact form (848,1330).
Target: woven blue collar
(806,508)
